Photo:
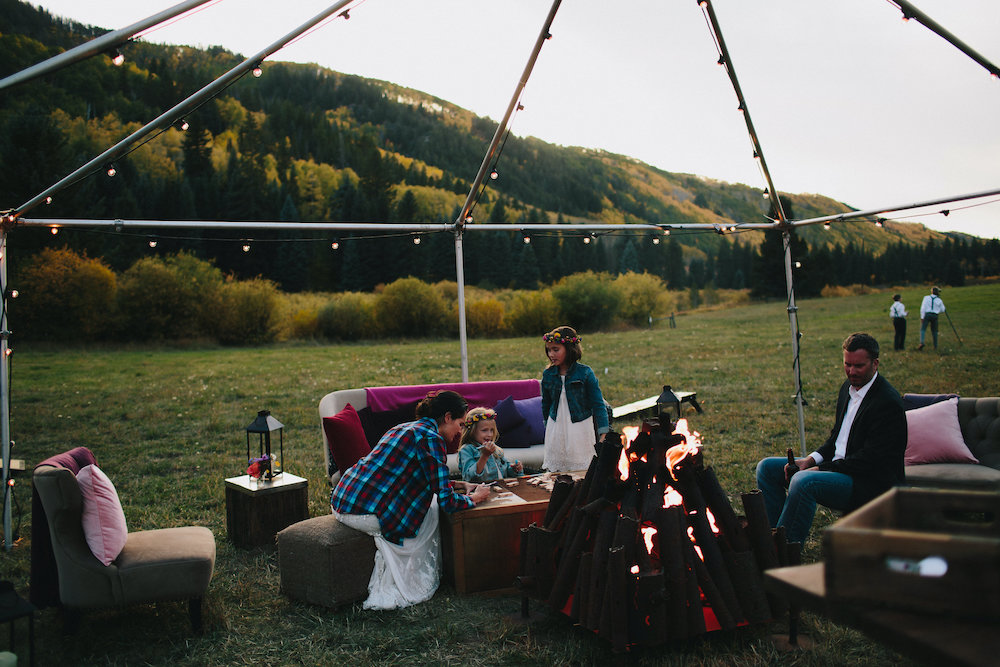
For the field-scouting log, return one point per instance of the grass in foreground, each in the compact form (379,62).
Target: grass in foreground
(167,426)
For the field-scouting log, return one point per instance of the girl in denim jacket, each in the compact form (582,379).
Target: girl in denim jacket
(572,404)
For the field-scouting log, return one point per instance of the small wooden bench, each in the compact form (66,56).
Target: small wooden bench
(646,406)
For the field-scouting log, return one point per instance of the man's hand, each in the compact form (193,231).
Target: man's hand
(480,493)
(801,464)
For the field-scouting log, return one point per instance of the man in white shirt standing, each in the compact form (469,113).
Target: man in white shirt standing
(930,308)
(861,459)
(897,313)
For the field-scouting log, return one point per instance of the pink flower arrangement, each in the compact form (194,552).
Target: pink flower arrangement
(260,468)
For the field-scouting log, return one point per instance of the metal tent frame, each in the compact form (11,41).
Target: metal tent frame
(463,224)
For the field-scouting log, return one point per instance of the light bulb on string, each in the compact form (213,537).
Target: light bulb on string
(152,243)
(246,247)
(117,58)
(494,175)
(110,170)
(416,240)
(184,125)
(48,200)
(468,219)
(826,226)
(257,71)
(335,245)
(656,240)
(55,230)
(879,222)
(526,237)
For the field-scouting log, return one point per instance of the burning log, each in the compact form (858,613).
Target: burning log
(651,607)
(538,561)
(722,509)
(670,535)
(569,561)
(599,572)
(758,530)
(617,610)
(749,585)
(562,492)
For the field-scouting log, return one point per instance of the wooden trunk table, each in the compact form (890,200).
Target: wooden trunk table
(256,511)
(481,546)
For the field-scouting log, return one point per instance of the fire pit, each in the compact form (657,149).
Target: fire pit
(647,549)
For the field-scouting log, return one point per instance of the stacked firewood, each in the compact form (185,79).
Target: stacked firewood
(656,556)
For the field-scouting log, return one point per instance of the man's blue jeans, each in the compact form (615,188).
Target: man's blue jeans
(795,508)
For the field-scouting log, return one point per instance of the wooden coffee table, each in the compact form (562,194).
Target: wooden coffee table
(482,545)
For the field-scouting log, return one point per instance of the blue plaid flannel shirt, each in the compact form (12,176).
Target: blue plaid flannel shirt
(396,480)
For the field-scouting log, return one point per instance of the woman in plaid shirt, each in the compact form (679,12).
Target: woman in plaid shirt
(391,493)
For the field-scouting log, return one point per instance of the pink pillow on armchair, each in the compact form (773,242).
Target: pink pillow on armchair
(935,436)
(103,517)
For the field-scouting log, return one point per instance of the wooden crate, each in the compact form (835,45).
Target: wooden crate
(481,546)
(255,512)
(920,549)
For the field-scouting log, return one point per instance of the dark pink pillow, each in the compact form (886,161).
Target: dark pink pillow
(103,518)
(345,438)
(935,436)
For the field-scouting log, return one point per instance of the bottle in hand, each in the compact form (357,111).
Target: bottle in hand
(790,468)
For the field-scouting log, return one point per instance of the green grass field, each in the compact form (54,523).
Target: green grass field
(167,426)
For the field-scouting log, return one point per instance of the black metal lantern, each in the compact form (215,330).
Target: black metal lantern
(263,426)
(667,399)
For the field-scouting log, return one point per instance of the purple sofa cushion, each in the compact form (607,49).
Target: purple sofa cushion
(476,393)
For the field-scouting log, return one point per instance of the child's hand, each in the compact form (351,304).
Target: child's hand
(480,493)
(487,449)
(518,467)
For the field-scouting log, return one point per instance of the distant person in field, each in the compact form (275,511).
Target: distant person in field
(897,313)
(572,404)
(930,308)
(861,459)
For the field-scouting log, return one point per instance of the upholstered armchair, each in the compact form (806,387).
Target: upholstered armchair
(152,566)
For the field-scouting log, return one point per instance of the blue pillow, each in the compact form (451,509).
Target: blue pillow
(508,418)
(531,410)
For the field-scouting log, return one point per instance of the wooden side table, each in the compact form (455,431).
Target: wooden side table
(256,510)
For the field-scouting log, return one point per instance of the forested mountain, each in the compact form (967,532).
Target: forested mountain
(304,143)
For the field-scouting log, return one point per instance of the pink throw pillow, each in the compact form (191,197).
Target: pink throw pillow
(103,517)
(935,436)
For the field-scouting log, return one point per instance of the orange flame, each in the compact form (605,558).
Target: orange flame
(647,535)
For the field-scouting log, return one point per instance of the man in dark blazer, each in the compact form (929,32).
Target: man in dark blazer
(862,458)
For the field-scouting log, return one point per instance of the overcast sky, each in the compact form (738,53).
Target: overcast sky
(848,100)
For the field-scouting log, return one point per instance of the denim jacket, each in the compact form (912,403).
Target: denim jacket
(583,395)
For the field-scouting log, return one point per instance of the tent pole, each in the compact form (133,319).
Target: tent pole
(8,491)
(463,340)
(793,323)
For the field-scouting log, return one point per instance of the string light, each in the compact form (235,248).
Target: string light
(798,265)
(346,14)
(335,245)
(945,212)
(468,219)
(826,226)
(117,58)
(494,175)
(184,125)
(110,169)
(656,240)
(152,243)
(48,200)
(55,230)
(246,247)
(416,240)
(525,236)
(879,222)
(257,71)
(766,194)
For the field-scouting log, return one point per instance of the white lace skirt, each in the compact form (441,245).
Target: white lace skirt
(404,574)
(568,445)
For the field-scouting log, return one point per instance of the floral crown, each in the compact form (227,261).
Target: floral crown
(557,337)
(478,417)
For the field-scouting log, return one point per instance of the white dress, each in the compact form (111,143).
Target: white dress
(404,574)
(568,445)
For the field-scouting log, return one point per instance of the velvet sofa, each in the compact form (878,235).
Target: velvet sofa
(345,439)
(953,442)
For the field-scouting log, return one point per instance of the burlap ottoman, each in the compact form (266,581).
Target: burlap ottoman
(324,562)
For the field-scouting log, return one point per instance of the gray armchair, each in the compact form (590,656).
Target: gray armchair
(154,565)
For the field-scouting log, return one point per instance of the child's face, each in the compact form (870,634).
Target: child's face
(556,352)
(485,431)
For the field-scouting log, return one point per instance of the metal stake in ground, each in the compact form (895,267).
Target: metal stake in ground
(960,341)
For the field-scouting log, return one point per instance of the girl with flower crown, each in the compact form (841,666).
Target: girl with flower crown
(480,458)
(572,404)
